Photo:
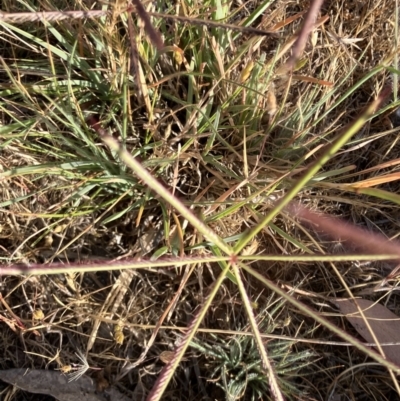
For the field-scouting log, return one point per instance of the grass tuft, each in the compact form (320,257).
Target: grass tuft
(151,151)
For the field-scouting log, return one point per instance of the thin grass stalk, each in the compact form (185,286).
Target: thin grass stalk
(307,27)
(309,312)
(213,24)
(96,265)
(324,100)
(356,236)
(164,315)
(151,32)
(272,378)
(158,188)
(244,333)
(376,192)
(53,16)
(168,371)
(343,231)
(341,140)
(50,16)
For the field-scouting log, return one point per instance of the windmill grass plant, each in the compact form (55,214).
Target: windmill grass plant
(167,173)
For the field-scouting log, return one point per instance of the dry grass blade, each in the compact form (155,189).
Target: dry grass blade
(168,371)
(20,18)
(157,327)
(267,365)
(214,24)
(154,35)
(109,143)
(310,312)
(112,302)
(49,16)
(301,40)
(160,189)
(341,139)
(371,182)
(134,67)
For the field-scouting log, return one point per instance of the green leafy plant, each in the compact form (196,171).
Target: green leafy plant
(236,367)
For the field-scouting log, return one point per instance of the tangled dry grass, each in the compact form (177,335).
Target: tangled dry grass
(218,120)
